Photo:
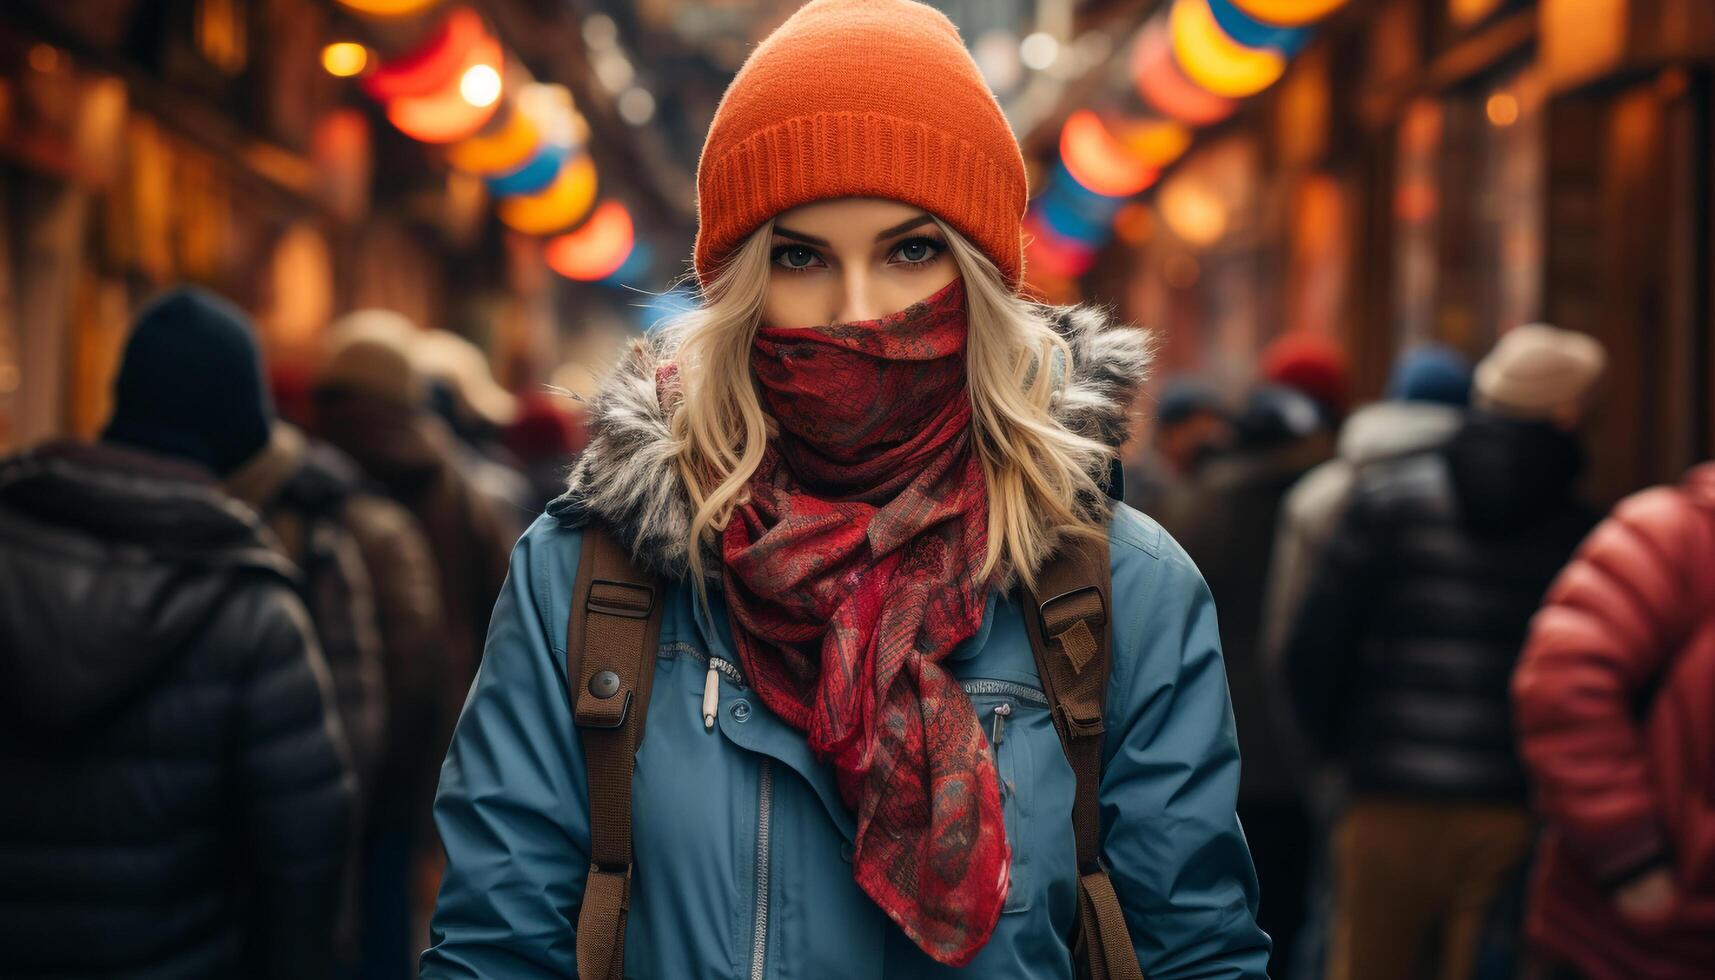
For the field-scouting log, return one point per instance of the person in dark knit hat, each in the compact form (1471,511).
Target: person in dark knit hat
(178,798)
(847,470)
(190,385)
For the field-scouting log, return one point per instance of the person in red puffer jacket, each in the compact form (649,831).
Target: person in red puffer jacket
(1614,700)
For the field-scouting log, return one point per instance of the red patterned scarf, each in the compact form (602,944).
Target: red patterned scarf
(851,571)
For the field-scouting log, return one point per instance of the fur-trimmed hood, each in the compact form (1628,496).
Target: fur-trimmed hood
(628,478)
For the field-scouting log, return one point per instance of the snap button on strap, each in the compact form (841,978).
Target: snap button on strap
(604,684)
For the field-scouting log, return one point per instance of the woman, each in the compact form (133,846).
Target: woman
(842,465)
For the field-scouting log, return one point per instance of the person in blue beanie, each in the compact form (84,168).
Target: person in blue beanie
(1427,391)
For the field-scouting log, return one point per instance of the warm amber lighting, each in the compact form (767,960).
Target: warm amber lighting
(1098,161)
(480,85)
(1288,13)
(1503,109)
(1215,61)
(1193,210)
(1133,223)
(1156,142)
(446,115)
(444,118)
(1467,12)
(44,58)
(343,59)
(507,148)
(598,249)
(566,200)
(435,65)
(1165,88)
(388,8)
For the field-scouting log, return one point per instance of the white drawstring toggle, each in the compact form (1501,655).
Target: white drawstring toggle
(711,696)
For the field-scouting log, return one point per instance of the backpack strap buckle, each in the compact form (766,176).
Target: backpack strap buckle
(631,600)
(1072,619)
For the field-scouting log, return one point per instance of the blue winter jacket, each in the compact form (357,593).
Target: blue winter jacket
(742,845)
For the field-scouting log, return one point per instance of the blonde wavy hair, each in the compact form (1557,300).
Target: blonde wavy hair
(1039,473)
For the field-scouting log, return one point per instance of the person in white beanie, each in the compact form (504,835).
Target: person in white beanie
(1398,663)
(1543,373)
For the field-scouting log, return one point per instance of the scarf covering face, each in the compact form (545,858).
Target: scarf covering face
(851,571)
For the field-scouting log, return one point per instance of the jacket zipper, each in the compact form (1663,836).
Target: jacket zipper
(1005,689)
(764,821)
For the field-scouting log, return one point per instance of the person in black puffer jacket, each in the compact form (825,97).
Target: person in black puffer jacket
(178,797)
(1398,665)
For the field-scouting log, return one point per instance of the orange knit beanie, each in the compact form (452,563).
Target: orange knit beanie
(861,98)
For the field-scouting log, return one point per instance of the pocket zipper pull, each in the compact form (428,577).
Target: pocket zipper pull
(1002,712)
(711,696)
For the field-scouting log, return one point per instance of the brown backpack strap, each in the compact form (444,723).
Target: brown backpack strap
(610,658)
(1069,634)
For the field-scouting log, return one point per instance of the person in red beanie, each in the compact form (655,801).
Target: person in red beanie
(545,437)
(843,481)
(1314,364)
(1614,701)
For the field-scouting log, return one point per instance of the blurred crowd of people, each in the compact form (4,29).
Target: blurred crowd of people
(236,646)
(1478,738)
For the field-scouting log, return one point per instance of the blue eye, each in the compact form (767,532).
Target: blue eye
(918,251)
(796,258)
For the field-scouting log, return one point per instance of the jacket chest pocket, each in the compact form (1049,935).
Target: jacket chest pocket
(1012,716)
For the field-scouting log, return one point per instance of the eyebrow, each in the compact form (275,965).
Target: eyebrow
(883,235)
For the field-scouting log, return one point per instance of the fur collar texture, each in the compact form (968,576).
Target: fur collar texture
(627,477)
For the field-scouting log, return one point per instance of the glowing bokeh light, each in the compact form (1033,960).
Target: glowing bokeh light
(1165,88)
(387,8)
(480,85)
(508,147)
(1289,13)
(1215,61)
(433,66)
(1098,161)
(343,59)
(1039,51)
(596,250)
(1046,252)
(1155,142)
(534,176)
(1193,210)
(446,116)
(1253,33)
(1502,109)
(558,207)
(1134,223)
(438,119)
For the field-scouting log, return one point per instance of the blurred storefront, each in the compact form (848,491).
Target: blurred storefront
(1445,170)
(220,142)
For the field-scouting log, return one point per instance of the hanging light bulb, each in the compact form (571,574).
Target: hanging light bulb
(1155,142)
(558,207)
(449,114)
(1253,33)
(434,65)
(1215,61)
(1289,13)
(596,250)
(343,59)
(387,8)
(480,85)
(510,145)
(1165,88)
(1098,161)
